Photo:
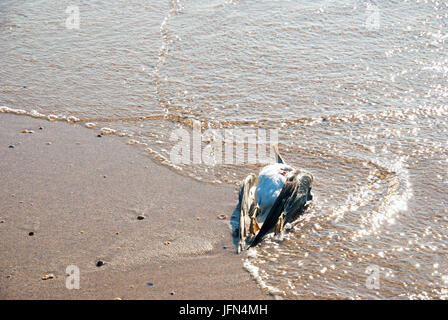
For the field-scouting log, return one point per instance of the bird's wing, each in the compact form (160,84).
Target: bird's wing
(291,201)
(247,204)
(301,195)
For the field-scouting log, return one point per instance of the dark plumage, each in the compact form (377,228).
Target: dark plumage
(290,203)
(277,196)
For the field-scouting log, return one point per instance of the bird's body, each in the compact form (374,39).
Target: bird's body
(278,195)
(270,183)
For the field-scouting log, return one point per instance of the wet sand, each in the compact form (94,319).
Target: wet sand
(72,198)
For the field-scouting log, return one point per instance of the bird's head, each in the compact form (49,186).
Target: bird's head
(305,182)
(286,171)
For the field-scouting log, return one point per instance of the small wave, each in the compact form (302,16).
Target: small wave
(38,115)
(255,273)
(395,201)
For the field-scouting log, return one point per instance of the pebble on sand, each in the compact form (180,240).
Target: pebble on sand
(100,263)
(2,221)
(198,218)
(48,143)
(31,233)
(48,276)
(27,131)
(222,217)
(167,243)
(141,217)
(172,293)
(11,146)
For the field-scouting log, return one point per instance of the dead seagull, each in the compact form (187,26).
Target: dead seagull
(279,195)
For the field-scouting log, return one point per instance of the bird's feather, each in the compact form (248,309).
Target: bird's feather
(247,205)
(291,200)
(270,183)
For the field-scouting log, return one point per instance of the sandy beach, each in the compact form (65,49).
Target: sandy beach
(352,92)
(70,197)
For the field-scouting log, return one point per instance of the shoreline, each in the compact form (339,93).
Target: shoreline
(72,198)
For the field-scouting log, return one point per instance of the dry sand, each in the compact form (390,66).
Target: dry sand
(81,195)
